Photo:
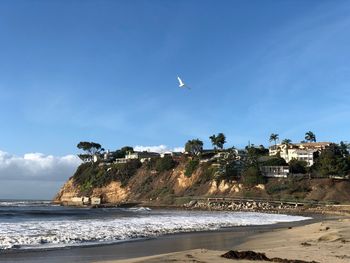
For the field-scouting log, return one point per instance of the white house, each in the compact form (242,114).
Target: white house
(300,151)
(142,156)
(275,171)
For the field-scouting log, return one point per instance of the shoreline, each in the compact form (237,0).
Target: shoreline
(224,238)
(327,240)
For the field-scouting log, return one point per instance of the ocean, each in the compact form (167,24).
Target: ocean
(26,225)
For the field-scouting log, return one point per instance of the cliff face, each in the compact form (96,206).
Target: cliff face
(67,192)
(111,193)
(143,183)
(149,185)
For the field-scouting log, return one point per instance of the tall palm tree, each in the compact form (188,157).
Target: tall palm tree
(274,137)
(286,141)
(213,140)
(310,136)
(218,141)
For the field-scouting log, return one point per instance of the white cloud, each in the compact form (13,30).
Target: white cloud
(159,149)
(37,166)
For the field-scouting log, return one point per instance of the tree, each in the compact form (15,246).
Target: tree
(344,148)
(310,136)
(218,140)
(194,146)
(255,152)
(123,151)
(275,161)
(274,137)
(297,166)
(332,162)
(127,149)
(90,148)
(213,140)
(286,141)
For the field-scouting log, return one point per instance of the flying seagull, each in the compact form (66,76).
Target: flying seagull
(181,84)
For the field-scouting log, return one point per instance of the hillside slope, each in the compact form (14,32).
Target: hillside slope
(119,183)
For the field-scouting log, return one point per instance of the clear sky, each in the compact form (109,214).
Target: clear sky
(105,71)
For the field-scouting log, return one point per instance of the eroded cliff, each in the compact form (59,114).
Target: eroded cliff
(169,184)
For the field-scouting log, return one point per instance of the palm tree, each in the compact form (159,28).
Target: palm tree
(218,140)
(310,136)
(286,141)
(213,140)
(274,137)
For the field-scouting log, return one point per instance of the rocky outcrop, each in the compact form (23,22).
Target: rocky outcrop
(67,192)
(112,193)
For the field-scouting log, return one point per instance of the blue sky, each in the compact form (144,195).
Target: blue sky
(105,71)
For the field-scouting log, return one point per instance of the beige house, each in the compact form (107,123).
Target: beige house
(300,151)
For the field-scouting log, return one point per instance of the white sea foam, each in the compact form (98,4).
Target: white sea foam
(139,209)
(7,203)
(58,233)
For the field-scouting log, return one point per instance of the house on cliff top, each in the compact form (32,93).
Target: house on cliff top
(299,151)
(142,156)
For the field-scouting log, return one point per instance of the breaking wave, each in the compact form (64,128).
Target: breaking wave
(123,226)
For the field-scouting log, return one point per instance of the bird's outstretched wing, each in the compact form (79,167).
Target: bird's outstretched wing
(181,84)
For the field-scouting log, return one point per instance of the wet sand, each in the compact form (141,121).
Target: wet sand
(222,240)
(327,242)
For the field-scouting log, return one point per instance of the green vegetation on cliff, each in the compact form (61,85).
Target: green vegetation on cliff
(212,172)
(191,167)
(168,185)
(91,175)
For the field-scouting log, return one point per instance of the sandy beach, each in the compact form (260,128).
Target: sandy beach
(320,239)
(220,240)
(325,241)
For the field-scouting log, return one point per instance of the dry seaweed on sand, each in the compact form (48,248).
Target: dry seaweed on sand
(251,255)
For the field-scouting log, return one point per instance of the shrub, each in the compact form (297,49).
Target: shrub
(298,185)
(161,192)
(191,166)
(90,175)
(146,186)
(208,173)
(124,171)
(84,176)
(150,164)
(164,164)
(252,176)
(276,188)
(276,161)
(232,171)
(297,166)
